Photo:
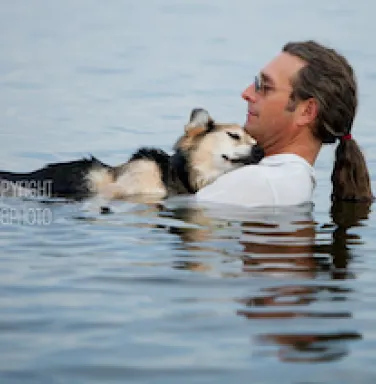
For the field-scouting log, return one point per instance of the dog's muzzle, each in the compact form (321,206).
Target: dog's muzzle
(257,153)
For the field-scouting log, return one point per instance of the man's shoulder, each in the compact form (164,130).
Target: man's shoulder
(268,168)
(284,159)
(271,173)
(279,179)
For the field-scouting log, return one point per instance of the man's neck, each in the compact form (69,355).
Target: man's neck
(308,149)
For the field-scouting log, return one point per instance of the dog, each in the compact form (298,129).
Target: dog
(204,152)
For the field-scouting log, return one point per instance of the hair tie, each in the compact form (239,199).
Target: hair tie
(346,137)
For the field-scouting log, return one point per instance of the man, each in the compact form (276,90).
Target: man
(305,97)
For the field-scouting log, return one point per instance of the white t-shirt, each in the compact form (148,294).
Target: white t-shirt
(278,180)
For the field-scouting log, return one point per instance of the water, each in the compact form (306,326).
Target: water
(176,292)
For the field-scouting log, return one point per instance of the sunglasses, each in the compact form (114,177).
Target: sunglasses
(258,84)
(262,88)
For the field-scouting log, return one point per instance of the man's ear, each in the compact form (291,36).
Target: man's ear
(307,111)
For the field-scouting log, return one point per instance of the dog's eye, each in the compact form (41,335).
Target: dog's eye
(234,136)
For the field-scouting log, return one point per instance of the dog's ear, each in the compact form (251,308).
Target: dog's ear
(199,122)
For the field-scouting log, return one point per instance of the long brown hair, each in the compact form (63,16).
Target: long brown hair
(330,80)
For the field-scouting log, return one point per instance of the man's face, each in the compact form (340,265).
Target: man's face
(269,119)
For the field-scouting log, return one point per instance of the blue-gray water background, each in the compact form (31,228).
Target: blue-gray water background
(174,294)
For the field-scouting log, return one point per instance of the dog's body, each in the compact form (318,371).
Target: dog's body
(205,151)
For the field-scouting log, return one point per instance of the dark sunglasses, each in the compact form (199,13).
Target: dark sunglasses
(258,84)
(262,88)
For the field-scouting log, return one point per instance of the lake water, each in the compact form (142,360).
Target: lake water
(174,293)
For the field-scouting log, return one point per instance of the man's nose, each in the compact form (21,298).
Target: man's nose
(249,94)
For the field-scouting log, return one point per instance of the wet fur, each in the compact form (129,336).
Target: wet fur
(204,152)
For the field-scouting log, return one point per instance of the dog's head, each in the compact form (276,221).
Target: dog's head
(212,148)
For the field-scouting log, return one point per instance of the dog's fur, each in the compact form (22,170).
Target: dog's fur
(205,151)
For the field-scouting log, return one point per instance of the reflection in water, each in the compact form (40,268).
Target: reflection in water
(345,216)
(295,254)
(194,232)
(310,347)
(273,304)
(279,248)
(185,284)
(289,247)
(301,262)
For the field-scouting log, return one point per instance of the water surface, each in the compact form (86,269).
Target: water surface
(174,292)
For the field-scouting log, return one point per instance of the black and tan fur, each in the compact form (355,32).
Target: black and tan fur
(205,151)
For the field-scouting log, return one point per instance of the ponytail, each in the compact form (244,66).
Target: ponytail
(350,177)
(329,78)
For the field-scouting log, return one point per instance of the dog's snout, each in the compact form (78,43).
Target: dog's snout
(257,154)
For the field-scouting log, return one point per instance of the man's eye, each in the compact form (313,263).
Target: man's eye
(234,136)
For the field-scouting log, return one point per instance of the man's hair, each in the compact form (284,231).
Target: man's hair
(330,80)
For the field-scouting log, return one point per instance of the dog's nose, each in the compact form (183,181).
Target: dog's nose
(257,153)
